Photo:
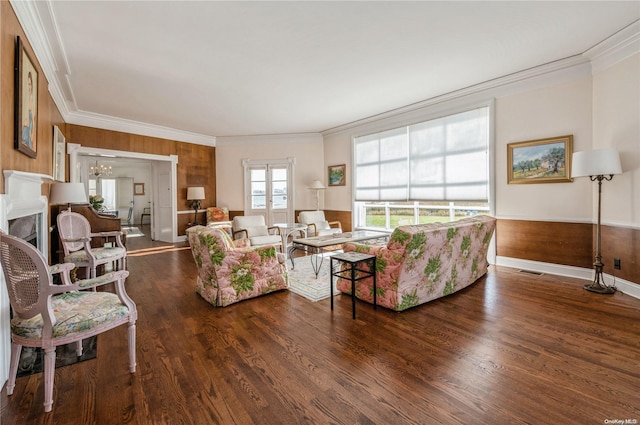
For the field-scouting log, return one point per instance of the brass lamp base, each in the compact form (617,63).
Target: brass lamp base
(598,286)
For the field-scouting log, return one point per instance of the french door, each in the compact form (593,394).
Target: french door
(268,190)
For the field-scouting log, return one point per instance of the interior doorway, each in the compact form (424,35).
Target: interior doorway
(160,169)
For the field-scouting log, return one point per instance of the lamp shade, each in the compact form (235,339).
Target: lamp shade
(317,184)
(195,193)
(595,163)
(68,193)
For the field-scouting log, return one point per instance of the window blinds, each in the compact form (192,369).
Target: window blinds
(442,159)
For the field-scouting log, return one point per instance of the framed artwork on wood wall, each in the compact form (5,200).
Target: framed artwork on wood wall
(540,161)
(26,102)
(59,152)
(337,175)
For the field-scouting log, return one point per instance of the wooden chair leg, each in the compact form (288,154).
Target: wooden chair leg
(132,347)
(49,372)
(16,349)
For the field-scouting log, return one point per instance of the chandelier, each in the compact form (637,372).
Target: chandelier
(100,170)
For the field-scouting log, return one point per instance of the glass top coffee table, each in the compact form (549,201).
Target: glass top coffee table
(320,245)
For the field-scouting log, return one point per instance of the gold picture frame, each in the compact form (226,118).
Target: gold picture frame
(540,161)
(337,175)
(138,189)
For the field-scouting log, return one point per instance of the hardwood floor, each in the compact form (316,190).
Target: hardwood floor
(512,348)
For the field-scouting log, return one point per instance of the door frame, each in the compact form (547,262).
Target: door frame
(290,164)
(76,170)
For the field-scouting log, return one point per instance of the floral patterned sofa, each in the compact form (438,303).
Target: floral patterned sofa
(423,262)
(230,271)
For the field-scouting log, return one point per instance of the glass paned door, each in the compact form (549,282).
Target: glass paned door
(268,192)
(258,189)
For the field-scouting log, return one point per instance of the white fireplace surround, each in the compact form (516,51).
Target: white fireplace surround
(22,197)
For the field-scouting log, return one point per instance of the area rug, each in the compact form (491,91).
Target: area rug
(32,359)
(303,281)
(132,232)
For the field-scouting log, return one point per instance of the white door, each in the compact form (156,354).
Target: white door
(162,212)
(124,196)
(268,192)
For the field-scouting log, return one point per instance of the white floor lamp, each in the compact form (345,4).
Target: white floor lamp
(317,186)
(598,164)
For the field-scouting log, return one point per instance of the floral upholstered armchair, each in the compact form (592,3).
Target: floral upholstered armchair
(230,271)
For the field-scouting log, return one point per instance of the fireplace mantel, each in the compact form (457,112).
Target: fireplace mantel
(22,197)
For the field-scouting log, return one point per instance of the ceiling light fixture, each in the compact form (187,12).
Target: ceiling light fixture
(100,170)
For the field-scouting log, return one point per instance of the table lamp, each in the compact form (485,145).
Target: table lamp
(195,195)
(67,193)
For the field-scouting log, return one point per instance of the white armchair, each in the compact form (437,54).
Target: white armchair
(317,225)
(254,228)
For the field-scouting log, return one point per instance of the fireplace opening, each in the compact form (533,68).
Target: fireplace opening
(26,228)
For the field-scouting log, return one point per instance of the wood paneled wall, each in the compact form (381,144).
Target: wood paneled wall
(571,244)
(622,243)
(549,242)
(47,114)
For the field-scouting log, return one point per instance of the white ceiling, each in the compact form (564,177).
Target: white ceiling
(253,68)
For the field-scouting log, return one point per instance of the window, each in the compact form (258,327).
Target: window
(430,171)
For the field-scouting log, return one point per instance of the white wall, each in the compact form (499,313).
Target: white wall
(552,111)
(309,165)
(523,113)
(616,123)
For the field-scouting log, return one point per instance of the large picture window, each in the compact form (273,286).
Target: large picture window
(438,165)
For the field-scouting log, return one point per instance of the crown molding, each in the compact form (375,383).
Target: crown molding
(290,138)
(107,122)
(39,24)
(619,46)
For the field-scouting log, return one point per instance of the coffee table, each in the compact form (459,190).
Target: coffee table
(319,245)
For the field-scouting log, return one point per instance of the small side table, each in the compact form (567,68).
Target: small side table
(356,262)
(287,229)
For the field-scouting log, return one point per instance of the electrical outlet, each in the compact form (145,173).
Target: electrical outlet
(616,264)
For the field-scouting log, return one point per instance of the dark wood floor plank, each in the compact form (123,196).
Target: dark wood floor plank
(512,348)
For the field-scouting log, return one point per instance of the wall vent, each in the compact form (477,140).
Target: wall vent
(531,272)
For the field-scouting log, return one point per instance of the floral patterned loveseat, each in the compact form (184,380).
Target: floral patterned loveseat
(229,271)
(424,262)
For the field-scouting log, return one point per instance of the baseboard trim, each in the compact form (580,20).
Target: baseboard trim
(629,288)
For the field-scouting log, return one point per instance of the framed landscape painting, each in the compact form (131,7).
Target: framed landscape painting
(540,161)
(337,174)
